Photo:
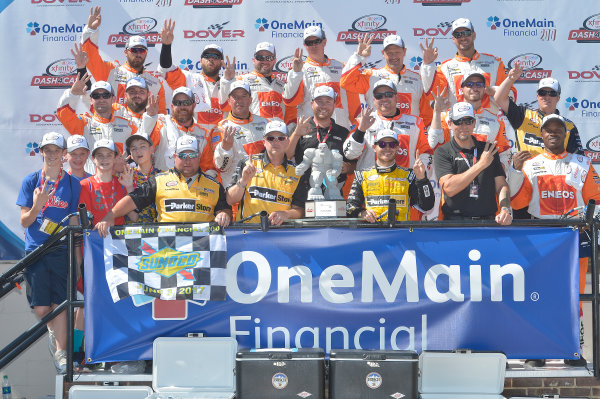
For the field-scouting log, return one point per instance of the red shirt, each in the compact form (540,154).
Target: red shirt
(99,198)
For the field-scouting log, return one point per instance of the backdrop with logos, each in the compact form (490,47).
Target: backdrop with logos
(551,39)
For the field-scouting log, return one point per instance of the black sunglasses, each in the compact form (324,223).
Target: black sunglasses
(464,33)
(470,85)
(264,57)
(391,144)
(97,96)
(138,50)
(544,93)
(464,121)
(180,103)
(273,138)
(212,56)
(386,94)
(313,42)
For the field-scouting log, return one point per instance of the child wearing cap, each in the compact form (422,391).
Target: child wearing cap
(142,153)
(47,197)
(78,152)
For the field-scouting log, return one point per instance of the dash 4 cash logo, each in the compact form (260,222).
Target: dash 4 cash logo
(371,25)
(589,32)
(532,71)
(54,33)
(143,26)
(541,28)
(60,74)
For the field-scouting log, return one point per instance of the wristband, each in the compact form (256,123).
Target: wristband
(507,210)
(240,184)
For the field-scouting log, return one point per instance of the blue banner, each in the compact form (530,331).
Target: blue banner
(512,289)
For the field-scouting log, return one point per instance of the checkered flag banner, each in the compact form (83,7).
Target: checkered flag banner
(170,262)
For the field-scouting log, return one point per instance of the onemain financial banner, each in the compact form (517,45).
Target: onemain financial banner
(503,289)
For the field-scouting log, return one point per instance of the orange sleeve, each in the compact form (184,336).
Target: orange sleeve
(353,106)
(501,76)
(216,136)
(425,109)
(591,187)
(297,98)
(501,141)
(162,103)
(75,124)
(155,134)
(99,68)
(175,78)
(290,114)
(207,159)
(356,81)
(439,81)
(446,129)
(422,143)
(523,197)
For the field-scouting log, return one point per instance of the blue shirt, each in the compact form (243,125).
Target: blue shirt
(64,202)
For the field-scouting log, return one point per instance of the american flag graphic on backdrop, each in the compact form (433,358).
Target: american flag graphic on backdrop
(170,262)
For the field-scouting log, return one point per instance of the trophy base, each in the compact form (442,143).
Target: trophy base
(325,209)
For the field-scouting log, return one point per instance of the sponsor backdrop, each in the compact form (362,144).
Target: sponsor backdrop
(475,288)
(552,39)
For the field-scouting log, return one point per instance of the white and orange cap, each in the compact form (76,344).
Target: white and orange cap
(186,143)
(53,138)
(239,84)
(77,141)
(105,143)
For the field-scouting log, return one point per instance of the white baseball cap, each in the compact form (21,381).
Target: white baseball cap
(186,143)
(276,126)
(239,84)
(386,133)
(265,46)
(313,30)
(105,143)
(136,40)
(77,141)
(53,138)
(385,82)
(472,73)
(393,39)
(183,90)
(462,23)
(462,110)
(549,83)
(552,117)
(136,81)
(101,84)
(321,91)
(213,47)
(138,135)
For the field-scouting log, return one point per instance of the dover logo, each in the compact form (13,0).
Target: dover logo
(284,28)
(543,29)
(54,33)
(60,74)
(589,32)
(441,2)
(592,75)
(371,25)
(441,31)
(143,26)
(44,119)
(212,3)
(167,262)
(531,64)
(214,32)
(588,108)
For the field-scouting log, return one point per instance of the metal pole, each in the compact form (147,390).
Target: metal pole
(70,308)
(595,318)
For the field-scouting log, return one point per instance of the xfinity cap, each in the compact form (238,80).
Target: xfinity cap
(385,82)
(393,39)
(184,90)
(313,30)
(549,83)
(105,143)
(213,47)
(321,91)
(53,138)
(462,110)
(469,74)
(77,141)
(136,81)
(186,143)
(552,117)
(386,133)
(136,40)
(239,84)
(276,126)
(265,46)
(139,135)
(461,23)
(101,84)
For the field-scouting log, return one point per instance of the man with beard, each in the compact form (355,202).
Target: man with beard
(117,75)
(204,84)
(181,122)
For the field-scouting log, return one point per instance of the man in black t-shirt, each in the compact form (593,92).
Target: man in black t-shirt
(470,173)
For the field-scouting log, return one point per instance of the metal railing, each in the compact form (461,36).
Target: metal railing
(12,277)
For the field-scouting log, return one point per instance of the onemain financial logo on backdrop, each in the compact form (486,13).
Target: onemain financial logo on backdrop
(541,28)
(371,25)
(219,32)
(532,72)
(54,33)
(586,76)
(143,26)
(188,64)
(589,32)
(212,3)
(284,28)
(60,74)
(582,107)
(443,30)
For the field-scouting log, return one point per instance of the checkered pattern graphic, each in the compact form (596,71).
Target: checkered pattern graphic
(170,262)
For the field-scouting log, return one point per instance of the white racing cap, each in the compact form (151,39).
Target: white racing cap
(265,46)
(313,30)
(385,82)
(186,143)
(53,138)
(105,143)
(239,84)
(138,135)
(215,47)
(393,39)
(77,141)
(553,117)
(462,110)
(386,133)
(136,81)
(323,91)
(472,73)
(276,126)
(101,84)
(549,83)
(461,23)
(183,90)
(136,40)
